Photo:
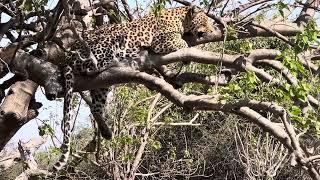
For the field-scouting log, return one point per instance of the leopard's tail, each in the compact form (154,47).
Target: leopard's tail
(67,124)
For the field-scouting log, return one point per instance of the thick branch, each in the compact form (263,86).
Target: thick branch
(250,31)
(14,109)
(43,72)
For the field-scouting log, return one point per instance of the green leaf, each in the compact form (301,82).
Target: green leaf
(55,151)
(26,6)
(305,39)
(295,110)
(260,17)
(127,139)
(156,145)
(128,158)
(287,86)
(186,154)
(205,3)
(45,129)
(281,6)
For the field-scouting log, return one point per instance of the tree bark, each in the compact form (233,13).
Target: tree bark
(14,109)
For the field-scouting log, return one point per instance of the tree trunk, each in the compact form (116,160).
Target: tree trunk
(14,109)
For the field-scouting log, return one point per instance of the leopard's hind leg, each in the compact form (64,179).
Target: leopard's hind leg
(99,102)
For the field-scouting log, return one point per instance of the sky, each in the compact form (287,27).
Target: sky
(51,110)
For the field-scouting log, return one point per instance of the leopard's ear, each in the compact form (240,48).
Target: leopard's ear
(193,10)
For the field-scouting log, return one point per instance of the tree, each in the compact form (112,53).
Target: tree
(272,85)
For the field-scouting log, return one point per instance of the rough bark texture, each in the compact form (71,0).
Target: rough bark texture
(14,109)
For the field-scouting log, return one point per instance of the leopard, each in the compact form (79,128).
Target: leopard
(125,44)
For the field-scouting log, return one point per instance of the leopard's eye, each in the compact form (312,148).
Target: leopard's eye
(200,34)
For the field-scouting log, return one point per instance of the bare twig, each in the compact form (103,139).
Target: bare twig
(275,33)
(307,12)
(6,10)
(126,8)
(184,2)
(246,6)
(144,139)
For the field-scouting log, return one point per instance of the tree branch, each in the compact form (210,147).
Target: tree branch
(14,109)
(246,6)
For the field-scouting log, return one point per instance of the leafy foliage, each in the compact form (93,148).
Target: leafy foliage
(281,7)
(31,5)
(158,6)
(45,129)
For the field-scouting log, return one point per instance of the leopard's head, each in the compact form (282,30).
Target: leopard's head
(198,23)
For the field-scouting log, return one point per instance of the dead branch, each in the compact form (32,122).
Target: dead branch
(144,139)
(280,68)
(31,166)
(298,155)
(275,33)
(244,7)
(25,154)
(186,3)
(307,12)
(127,9)
(238,62)
(14,109)
(250,31)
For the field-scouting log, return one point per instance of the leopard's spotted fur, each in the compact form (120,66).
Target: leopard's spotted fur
(123,43)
